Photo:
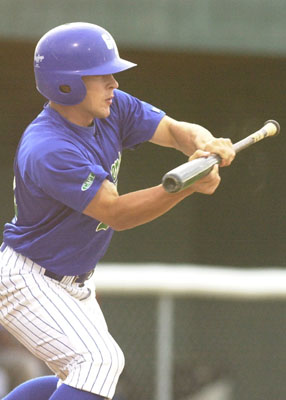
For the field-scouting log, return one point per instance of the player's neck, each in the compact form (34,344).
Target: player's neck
(72,114)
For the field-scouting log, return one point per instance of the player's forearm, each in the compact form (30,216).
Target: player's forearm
(189,137)
(183,136)
(136,208)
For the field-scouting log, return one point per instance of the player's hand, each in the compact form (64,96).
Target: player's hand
(223,147)
(209,183)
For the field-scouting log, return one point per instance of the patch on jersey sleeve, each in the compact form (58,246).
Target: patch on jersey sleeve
(88,182)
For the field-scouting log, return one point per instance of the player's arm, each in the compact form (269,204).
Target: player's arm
(139,207)
(187,137)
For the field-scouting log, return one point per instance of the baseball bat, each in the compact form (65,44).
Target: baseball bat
(186,174)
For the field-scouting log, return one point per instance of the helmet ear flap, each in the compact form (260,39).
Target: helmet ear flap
(66,89)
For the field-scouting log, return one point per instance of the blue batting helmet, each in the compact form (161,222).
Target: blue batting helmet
(68,52)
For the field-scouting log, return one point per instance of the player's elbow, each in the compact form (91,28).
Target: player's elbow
(121,224)
(113,217)
(111,209)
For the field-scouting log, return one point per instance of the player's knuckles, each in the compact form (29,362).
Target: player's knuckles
(198,154)
(221,146)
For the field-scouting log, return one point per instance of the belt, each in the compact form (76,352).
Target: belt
(77,278)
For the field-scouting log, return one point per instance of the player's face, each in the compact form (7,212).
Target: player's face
(99,95)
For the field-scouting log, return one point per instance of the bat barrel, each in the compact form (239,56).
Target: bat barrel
(181,177)
(171,184)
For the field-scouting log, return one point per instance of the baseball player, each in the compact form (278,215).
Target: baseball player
(67,207)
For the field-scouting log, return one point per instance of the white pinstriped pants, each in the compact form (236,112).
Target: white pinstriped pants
(62,324)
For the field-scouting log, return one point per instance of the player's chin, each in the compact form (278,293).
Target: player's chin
(104,112)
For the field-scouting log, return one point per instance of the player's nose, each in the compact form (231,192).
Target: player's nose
(113,82)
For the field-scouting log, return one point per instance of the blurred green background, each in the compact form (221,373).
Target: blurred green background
(219,63)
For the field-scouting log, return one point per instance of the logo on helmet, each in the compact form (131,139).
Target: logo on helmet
(38,59)
(110,43)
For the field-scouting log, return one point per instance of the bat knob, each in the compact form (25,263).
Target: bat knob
(276,130)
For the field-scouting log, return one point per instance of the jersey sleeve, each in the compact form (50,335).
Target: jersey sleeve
(138,119)
(64,174)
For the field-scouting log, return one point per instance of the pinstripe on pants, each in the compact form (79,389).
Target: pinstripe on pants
(60,323)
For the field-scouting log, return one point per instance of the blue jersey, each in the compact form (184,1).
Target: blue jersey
(59,167)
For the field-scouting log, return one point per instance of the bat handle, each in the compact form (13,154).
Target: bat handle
(270,128)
